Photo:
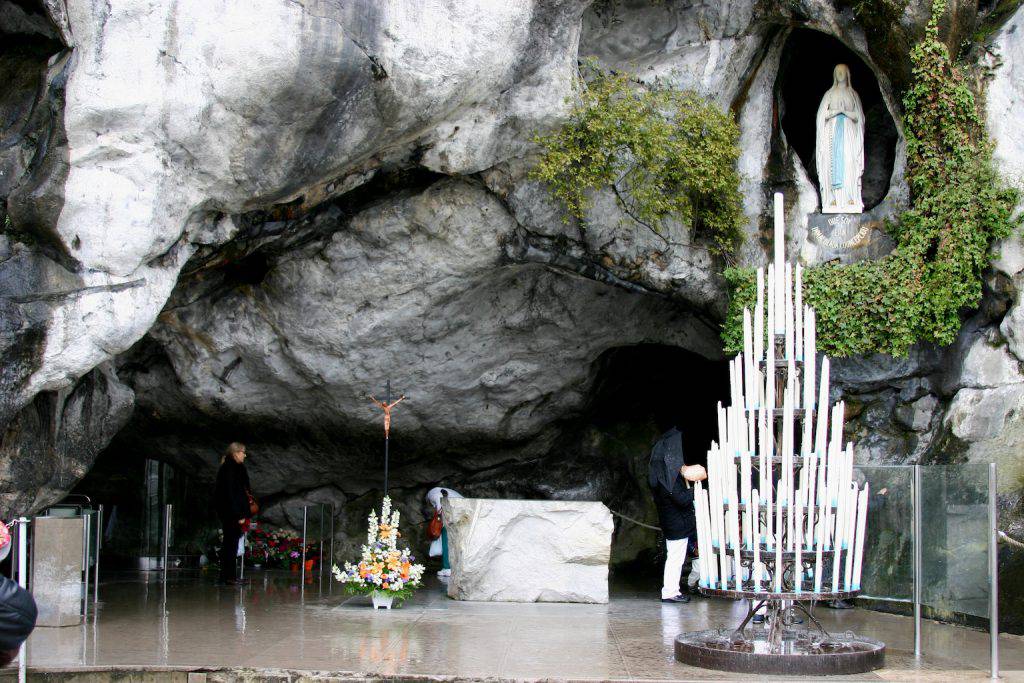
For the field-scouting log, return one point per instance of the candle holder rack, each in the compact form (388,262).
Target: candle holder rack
(780,521)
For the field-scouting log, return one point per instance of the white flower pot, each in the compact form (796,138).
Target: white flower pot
(382,599)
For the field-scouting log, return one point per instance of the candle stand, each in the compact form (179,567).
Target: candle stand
(780,521)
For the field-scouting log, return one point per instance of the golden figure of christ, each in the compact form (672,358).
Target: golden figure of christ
(386,407)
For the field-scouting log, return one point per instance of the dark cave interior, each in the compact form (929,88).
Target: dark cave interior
(663,387)
(638,392)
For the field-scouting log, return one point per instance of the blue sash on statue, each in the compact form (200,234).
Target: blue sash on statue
(838,164)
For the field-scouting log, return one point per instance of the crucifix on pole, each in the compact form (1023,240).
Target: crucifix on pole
(386,405)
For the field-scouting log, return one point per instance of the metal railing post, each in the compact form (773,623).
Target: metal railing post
(321,537)
(86,537)
(15,533)
(96,567)
(23,552)
(917,499)
(168,511)
(302,567)
(993,571)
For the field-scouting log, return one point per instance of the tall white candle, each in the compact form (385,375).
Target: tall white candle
(787,303)
(818,553)
(703,538)
(769,350)
(821,434)
(769,514)
(851,526)
(798,311)
(798,565)
(702,541)
(838,541)
(756,505)
(787,460)
(748,361)
(759,319)
(748,532)
(751,432)
(779,526)
(715,498)
(858,552)
(806,445)
(779,260)
(734,526)
(712,564)
(826,499)
(808,354)
(812,466)
(762,438)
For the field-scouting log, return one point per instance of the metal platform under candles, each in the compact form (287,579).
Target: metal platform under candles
(780,521)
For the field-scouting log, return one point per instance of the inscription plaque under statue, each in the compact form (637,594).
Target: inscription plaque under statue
(847,237)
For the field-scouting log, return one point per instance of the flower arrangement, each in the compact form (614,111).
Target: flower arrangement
(384,568)
(275,547)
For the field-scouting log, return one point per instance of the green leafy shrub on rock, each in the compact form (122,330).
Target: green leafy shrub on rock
(959,206)
(664,153)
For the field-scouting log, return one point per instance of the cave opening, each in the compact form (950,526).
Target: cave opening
(635,394)
(639,392)
(659,387)
(805,74)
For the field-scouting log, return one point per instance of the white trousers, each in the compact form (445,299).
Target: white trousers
(675,557)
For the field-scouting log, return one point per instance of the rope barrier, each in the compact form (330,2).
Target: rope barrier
(635,521)
(1009,539)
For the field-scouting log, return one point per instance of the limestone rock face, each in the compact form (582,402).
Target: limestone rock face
(300,97)
(528,550)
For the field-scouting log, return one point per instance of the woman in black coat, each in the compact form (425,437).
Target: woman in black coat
(231,497)
(670,480)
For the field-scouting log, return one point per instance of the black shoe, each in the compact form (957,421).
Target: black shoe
(758,619)
(839,604)
(683,599)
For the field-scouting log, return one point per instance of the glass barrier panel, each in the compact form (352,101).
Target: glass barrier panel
(317,522)
(888,571)
(90,542)
(954,532)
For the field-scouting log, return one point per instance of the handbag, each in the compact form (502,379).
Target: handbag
(435,525)
(254,507)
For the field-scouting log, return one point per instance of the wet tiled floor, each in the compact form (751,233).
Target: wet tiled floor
(280,622)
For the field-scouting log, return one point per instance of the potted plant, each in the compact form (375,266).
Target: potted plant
(385,572)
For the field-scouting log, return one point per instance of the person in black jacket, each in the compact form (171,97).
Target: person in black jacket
(231,497)
(17,618)
(670,480)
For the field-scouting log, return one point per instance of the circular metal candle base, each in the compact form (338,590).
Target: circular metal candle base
(800,652)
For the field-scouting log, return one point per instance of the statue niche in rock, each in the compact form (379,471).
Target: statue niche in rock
(840,145)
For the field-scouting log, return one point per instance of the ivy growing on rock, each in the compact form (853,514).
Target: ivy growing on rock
(959,206)
(665,154)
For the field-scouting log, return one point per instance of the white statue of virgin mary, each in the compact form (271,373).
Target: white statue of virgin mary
(840,145)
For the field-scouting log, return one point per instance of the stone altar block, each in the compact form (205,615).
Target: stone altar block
(528,550)
(57,570)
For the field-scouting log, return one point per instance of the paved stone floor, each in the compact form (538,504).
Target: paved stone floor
(280,623)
